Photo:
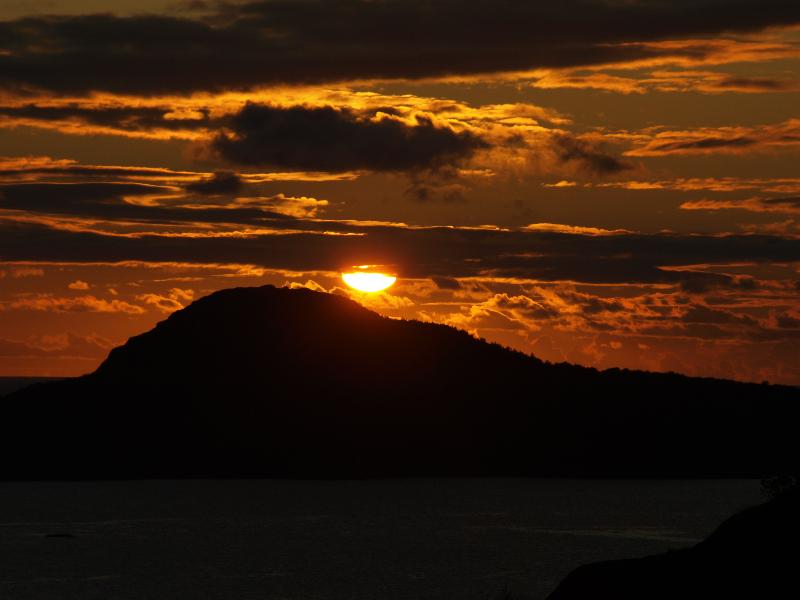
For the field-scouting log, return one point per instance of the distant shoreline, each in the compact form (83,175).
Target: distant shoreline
(12,384)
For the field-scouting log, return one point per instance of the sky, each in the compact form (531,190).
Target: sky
(613,183)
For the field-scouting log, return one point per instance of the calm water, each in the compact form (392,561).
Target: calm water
(409,539)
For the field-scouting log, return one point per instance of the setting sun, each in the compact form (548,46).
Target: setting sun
(368,282)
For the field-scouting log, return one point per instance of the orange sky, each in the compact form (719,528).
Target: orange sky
(611,184)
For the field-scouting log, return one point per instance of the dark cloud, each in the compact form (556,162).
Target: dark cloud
(301,137)
(312,41)
(223,182)
(759,84)
(592,305)
(735,139)
(193,5)
(427,187)
(704,314)
(446,283)
(792,203)
(789,205)
(326,138)
(588,157)
(704,144)
(108,201)
(707,282)
(331,139)
(70,198)
(134,118)
(69,170)
(788,322)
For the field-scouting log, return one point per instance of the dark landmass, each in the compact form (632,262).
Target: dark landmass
(273,382)
(12,384)
(752,555)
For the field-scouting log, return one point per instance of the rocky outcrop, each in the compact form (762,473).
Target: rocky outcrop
(754,554)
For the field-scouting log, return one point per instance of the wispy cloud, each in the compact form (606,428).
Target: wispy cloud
(725,140)
(53,303)
(755,204)
(668,81)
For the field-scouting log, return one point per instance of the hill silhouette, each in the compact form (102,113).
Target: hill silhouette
(277,382)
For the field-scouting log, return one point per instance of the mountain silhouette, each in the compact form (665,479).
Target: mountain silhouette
(294,383)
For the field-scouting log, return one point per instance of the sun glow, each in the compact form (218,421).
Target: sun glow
(365,281)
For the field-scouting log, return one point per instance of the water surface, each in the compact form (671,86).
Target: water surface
(298,540)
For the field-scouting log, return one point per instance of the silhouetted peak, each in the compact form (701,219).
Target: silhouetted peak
(267,332)
(273,381)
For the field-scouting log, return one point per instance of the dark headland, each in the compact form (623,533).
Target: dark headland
(751,555)
(272,382)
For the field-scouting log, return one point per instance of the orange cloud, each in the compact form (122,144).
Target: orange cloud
(714,82)
(174,300)
(561,184)
(706,82)
(574,229)
(22,272)
(47,169)
(787,228)
(52,303)
(755,204)
(715,184)
(582,80)
(698,52)
(56,346)
(720,140)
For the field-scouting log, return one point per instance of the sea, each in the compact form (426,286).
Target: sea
(410,539)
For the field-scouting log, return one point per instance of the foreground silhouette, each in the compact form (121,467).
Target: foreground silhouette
(752,555)
(277,382)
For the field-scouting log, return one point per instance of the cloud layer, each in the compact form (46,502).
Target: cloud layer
(312,41)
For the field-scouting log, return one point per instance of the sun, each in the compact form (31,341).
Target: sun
(364,280)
